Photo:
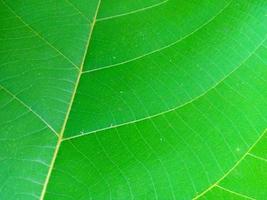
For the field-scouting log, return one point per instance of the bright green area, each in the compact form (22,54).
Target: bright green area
(169,77)
(161,99)
(128,37)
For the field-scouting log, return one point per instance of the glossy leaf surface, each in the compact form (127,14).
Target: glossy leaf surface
(151,99)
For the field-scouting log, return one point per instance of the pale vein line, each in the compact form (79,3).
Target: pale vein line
(91,26)
(257,157)
(175,108)
(162,48)
(29,108)
(78,10)
(132,12)
(233,168)
(37,34)
(235,193)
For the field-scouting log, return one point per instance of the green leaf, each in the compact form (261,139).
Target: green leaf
(151,99)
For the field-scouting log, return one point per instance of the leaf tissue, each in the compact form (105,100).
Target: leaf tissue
(125,99)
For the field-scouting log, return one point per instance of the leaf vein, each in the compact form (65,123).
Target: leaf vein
(164,47)
(38,34)
(29,108)
(174,108)
(235,193)
(132,12)
(235,165)
(91,26)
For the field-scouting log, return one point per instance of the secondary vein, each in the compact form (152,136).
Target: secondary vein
(164,47)
(234,167)
(29,108)
(38,34)
(174,108)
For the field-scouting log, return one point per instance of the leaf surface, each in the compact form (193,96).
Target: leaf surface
(152,99)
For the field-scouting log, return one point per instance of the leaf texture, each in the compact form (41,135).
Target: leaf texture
(151,99)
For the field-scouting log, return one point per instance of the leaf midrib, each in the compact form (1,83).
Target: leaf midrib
(60,137)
